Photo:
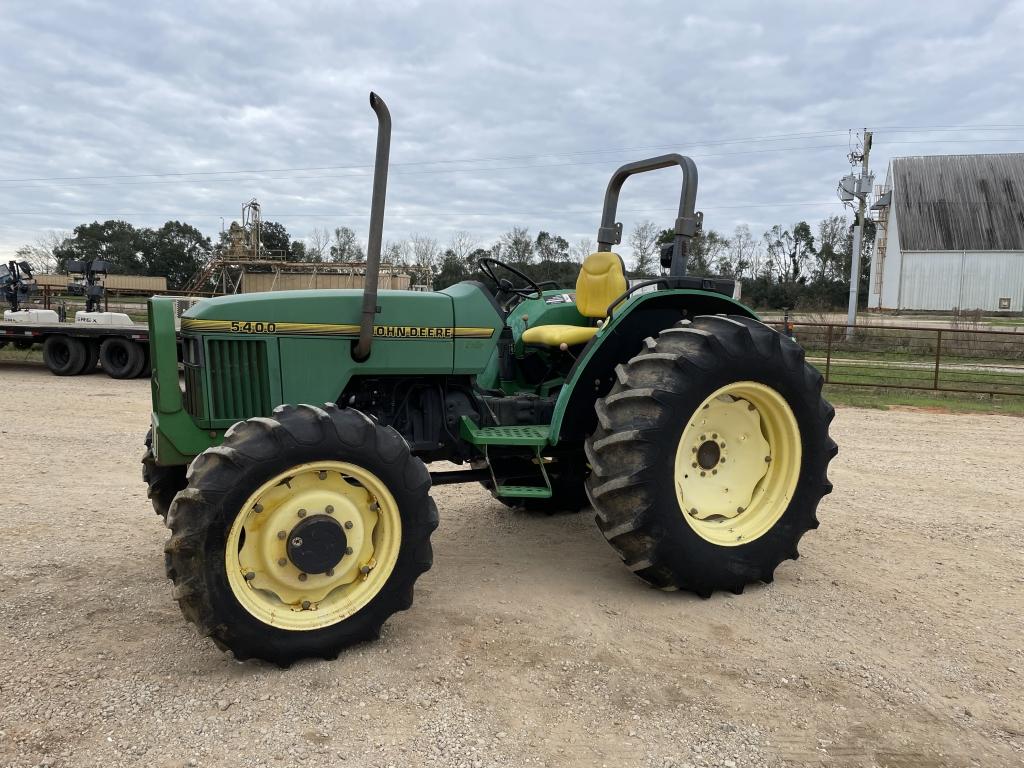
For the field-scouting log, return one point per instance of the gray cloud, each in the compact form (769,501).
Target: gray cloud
(101,89)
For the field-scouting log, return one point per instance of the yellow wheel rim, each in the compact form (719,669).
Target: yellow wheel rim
(737,463)
(258,558)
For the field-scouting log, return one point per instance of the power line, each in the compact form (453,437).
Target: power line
(402,214)
(400,172)
(503,158)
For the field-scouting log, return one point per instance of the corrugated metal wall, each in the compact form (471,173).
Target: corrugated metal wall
(943,280)
(139,283)
(257,282)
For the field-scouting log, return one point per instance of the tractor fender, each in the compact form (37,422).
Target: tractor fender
(622,338)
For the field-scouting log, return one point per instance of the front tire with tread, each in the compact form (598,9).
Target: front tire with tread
(254,451)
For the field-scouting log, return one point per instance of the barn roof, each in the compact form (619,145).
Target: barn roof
(960,202)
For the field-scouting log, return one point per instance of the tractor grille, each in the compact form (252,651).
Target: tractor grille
(239,385)
(194,391)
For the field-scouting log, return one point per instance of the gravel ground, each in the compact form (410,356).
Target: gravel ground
(895,641)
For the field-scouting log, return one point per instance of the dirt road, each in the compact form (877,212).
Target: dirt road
(896,640)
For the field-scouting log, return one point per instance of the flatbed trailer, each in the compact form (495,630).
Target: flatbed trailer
(72,349)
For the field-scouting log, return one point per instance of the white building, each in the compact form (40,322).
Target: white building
(950,234)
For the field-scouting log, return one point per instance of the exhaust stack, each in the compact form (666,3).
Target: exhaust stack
(373,242)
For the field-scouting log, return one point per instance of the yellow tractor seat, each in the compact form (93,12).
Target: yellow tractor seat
(602,280)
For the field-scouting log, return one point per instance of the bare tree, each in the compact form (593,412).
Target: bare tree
(426,257)
(462,244)
(644,242)
(318,244)
(581,249)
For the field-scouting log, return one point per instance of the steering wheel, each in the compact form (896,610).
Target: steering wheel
(530,291)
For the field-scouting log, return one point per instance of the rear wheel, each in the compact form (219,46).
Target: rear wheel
(711,454)
(300,534)
(122,358)
(64,355)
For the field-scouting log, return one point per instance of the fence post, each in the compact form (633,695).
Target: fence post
(938,358)
(828,354)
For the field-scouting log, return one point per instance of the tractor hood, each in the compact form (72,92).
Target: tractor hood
(339,307)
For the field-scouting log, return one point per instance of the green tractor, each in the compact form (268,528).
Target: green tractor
(291,466)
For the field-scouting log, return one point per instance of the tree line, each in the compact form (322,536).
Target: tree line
(798,266)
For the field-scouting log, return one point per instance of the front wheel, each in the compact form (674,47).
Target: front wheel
(300,534)
(711,454)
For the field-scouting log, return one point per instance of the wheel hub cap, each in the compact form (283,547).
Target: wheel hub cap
(317,544)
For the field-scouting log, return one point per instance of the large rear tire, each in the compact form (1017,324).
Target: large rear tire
(710,455)
(301,534)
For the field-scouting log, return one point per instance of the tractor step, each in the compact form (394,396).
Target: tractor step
(523,434)
(523,492)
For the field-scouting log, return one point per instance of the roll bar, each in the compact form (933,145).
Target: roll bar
(373,241)
(687,222)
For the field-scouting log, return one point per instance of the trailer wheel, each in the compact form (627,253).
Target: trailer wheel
(64,355)
(92,356)
(121,358)
(301,534)
(710,455)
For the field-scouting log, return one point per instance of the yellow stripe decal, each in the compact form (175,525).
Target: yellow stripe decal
(254,327)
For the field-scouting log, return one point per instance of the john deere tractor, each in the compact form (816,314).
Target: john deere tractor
(292,465)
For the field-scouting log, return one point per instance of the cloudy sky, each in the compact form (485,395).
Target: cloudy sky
(505,113)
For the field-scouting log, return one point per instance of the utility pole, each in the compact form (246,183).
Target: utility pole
(862,190)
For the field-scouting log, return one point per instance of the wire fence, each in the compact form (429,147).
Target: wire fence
(949,359)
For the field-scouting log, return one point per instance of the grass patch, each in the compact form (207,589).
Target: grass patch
(879,397)
(34,355)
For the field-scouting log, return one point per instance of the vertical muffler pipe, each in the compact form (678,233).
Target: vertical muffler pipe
(373,242)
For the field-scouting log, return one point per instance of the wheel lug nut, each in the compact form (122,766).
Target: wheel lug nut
(302,513)
(693,511)
(767,459)
(322,474)
(330,509)
(714,435)
(250,576)
(303,577)
(739,510)
(257,507)
(703,473)
(694,465)
(348,550)
(281,534)
(282,562)
(329,572)
(348,524)
(305,605)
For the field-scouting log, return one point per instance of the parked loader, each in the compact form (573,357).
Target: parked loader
(292,466)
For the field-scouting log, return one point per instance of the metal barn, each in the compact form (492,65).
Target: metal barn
(950,234)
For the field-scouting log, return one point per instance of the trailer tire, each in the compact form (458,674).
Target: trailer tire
(64,355)
(121,358)
(92,357)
